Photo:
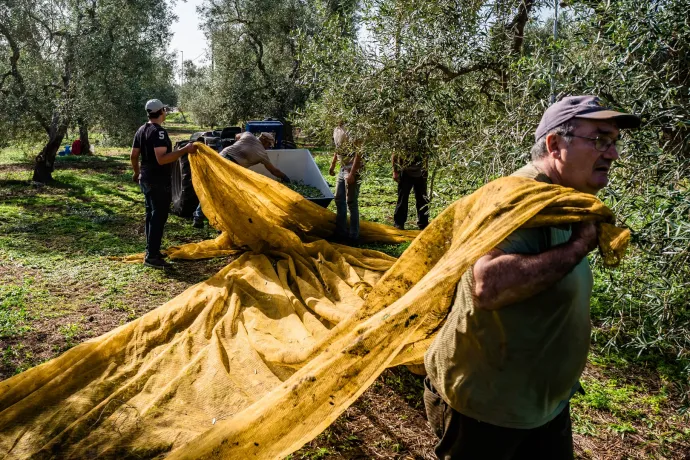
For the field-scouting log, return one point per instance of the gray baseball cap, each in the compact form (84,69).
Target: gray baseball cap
(589,107)
(154,105)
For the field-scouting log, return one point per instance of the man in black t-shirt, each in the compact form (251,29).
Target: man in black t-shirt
(153,146)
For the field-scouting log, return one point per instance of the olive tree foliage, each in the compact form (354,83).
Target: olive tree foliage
(466,82)
(636,56)
(640,59)
(418,74)
(67,62)
(197,97)
(256,71)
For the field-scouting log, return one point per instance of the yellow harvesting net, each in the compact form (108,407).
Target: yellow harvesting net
(260,358)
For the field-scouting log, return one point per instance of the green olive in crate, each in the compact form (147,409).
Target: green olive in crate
(305,190)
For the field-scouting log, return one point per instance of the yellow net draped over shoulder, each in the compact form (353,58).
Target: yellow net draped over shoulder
(260,358)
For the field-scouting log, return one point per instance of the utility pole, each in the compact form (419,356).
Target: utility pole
(181,68)
(553,55)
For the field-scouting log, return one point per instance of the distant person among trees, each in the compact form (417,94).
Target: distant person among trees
(153,146)
(411,174)
(76,147)
(347,185)
(247,151)
(505,364)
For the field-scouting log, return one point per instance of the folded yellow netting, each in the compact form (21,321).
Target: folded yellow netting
(263,356)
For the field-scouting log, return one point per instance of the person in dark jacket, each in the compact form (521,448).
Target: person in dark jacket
(153,147)
(410,174)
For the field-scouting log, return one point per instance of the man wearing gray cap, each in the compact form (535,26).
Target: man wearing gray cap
(153,146)
(508,359)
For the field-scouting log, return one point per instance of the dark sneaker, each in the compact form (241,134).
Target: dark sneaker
(352,241)
(157,263)
(339,239)
(399,227)
(198,224)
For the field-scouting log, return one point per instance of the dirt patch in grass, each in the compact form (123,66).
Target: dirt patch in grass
(382,423)
(80,309)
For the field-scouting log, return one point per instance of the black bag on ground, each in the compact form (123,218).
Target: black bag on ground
(184,199)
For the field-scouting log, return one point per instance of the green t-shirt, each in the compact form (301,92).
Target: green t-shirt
(518,366)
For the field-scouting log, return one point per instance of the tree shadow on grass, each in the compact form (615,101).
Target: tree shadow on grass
(82,187)
(48,224)
(13,183)
(101,186)
(105,164)
(80,217)
(90,191)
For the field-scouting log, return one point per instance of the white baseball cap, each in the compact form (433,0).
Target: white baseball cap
(154,105)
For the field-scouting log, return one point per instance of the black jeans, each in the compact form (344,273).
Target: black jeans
(157,198)
(405,186)
(464,438)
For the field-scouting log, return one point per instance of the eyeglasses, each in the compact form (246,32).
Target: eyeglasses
(601,143)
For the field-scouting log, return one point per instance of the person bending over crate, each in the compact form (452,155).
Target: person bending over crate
(247,151)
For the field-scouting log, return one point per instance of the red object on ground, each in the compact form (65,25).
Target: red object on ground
(76,147)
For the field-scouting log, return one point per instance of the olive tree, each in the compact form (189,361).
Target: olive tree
(409,83)
(78,61)
(196,96)
(257,69)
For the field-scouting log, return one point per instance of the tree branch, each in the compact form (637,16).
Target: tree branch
(52,33)
(295,62)
(516,27)
(17,76)
(259,50)
(14,58)
(452,74)
(2,80)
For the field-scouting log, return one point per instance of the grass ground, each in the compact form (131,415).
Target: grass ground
(58,288)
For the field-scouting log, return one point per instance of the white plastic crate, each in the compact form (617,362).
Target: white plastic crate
(298,164)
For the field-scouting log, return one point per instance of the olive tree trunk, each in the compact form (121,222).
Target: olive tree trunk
(45,160)
(84,137)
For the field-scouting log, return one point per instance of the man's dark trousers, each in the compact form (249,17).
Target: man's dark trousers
(464,438)
(157,198)
(405,185)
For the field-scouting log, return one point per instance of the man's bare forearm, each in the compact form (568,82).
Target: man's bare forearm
(164,158)
(503,279)
(275,171)
(355,164)
(134,159)
(170,157)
